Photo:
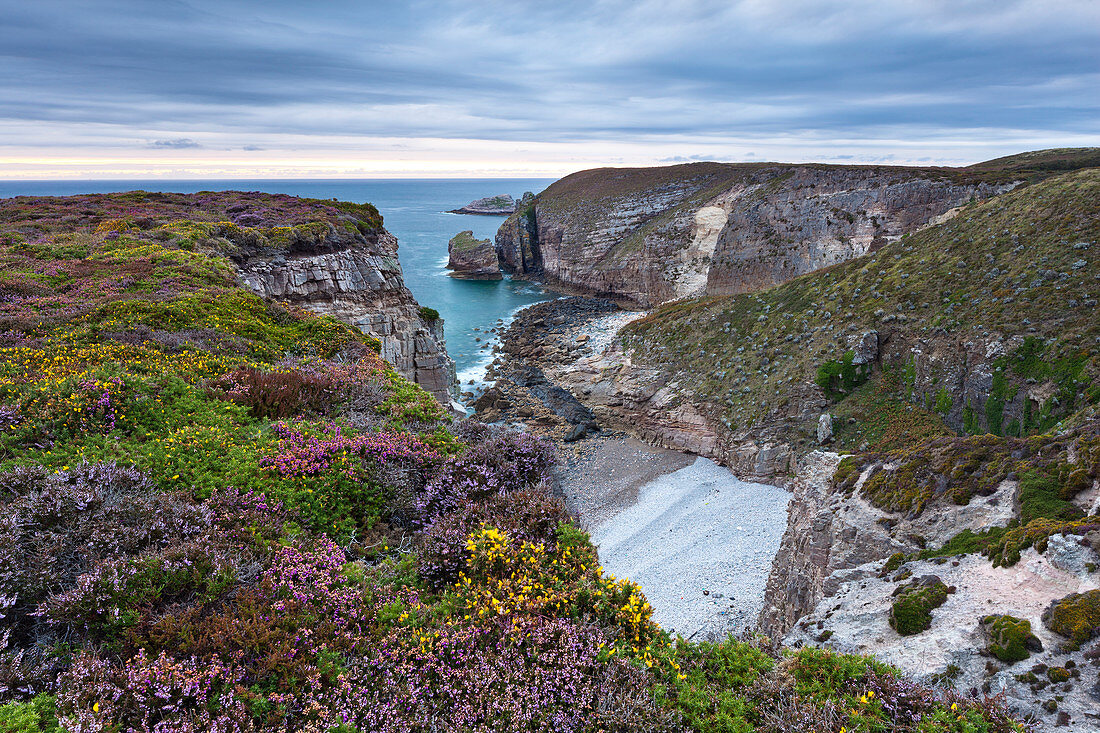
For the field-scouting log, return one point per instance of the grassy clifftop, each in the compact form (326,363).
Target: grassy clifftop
(1021,269)
(585,187)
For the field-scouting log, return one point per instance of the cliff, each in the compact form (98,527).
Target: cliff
(649,235)
(985,323)
(472,259)
(334,258)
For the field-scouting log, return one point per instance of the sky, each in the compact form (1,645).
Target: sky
(335,89)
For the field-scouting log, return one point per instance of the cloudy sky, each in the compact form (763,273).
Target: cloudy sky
(239,88)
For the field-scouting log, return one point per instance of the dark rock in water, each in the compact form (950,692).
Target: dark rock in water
(502,205)
(472,259)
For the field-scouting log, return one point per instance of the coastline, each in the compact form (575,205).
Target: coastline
(699,540)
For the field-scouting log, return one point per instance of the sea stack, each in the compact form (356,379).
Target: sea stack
(472,259)
(502,205)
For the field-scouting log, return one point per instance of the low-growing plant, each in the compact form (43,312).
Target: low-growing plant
(911,613)
(1075,617)
(1010,638)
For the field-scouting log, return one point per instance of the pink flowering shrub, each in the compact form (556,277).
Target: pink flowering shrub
(528,514)
(117,592)
(503,463)
(335,481)
(56,527)
(152,694)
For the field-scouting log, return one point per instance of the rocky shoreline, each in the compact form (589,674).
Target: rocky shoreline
(542,338)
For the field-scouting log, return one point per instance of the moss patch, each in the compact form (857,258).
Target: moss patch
(1010,638)
(1076,617)
(911,613)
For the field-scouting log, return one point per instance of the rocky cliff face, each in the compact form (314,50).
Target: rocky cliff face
(357,279)
(650,235)
(472,259)
(831,585)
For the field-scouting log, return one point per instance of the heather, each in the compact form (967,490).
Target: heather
(219,513)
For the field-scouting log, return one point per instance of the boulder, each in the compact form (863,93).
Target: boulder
(864,346)
(825,428)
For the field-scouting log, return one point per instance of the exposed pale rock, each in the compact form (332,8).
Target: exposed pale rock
(854,619)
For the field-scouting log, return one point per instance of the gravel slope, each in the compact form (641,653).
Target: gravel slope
(700,543)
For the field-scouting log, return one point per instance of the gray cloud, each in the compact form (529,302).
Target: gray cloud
(567,71)
(180,143)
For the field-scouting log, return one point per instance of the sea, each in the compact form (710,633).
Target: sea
(415,211)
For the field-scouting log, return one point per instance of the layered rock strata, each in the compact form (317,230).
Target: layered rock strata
(649,235)
(357,279)
(472,259)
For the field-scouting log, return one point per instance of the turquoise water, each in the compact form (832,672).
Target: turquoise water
(414,211)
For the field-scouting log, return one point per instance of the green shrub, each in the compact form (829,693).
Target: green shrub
(37,715)
(838,378)
(707,681)
(1041,497)
(1010,638)
(911,613)
(893,562)
(1076,617)
(823,674)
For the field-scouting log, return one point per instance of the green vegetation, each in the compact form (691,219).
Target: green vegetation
(709,690)
(894,562)
(1021,259)
(466,241)
(838,378)
(911,613)
(1010,638)
(234,515)
(37,715)
(1076,617)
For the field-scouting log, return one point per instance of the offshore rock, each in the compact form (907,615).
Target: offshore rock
(501,205)
(357,279)
(472,259)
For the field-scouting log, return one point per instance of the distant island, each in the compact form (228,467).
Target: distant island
(502,205)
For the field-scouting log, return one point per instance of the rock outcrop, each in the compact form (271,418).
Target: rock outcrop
(357,278)
(501,205)
(472,259)
(649,235)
